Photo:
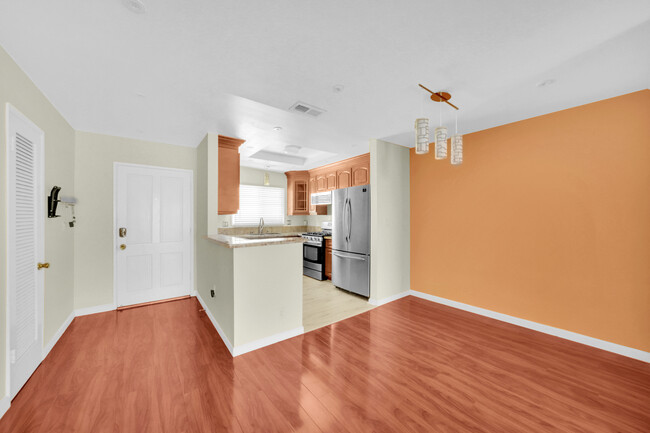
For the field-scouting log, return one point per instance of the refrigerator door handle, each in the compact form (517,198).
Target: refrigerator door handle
(344,256)
(350,220)
(345,221)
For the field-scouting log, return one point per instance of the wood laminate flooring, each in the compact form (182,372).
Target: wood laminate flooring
(324,304)
(410,365)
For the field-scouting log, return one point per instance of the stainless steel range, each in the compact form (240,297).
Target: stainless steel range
(313,254)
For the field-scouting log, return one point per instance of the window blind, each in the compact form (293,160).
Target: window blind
(257,202)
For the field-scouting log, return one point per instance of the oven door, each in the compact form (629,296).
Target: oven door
(312,253)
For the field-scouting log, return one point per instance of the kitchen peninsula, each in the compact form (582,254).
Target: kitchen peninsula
(257,289)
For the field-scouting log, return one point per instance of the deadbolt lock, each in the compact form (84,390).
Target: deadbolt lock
(122,232)
(123,246)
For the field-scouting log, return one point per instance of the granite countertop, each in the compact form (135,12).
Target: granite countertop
(234,241)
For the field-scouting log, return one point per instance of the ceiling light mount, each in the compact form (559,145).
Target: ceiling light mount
(440,96)
(135,6)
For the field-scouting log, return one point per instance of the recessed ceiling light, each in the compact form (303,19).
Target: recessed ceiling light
(292,148)
(135,6)
(546,83)
(277,128)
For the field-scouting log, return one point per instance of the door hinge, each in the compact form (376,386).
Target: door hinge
(12,356)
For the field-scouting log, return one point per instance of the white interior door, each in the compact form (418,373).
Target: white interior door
(154,250)
(26,216)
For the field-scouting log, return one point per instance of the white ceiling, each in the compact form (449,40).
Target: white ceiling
(184,68)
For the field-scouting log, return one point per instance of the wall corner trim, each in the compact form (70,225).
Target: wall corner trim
(59,334)
(5,402)
(378,302)
(546,329)
(267,341)
(222,334)
(93,310)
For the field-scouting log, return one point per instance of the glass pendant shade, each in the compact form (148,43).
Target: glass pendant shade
(421,136)
(456,149)
(440,134)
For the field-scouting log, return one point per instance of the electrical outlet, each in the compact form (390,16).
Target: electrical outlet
(224,223)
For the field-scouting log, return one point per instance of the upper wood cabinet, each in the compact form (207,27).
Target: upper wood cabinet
(361,172)
(298,191)
(228,201)
(343,174)
(344,177)
(321,183)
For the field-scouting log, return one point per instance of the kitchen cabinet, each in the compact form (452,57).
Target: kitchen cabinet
(361,172)
(343,174)
(321,183)
(328,258)
(331,180)
(228,151)
(344,177)
(298,202)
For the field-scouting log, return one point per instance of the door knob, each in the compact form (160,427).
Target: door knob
(43,265)
(123,246)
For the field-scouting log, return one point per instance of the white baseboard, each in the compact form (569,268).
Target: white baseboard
(5,402)
(267,341)
(546,329)
(222,334)
(94,310)
(58,334)
(384,301)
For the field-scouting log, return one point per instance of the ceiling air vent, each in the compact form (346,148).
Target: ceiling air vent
(301,107)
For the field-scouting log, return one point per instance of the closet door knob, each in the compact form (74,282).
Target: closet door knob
(43,265)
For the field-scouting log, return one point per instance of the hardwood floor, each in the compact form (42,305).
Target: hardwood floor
(410,365)
(324,304)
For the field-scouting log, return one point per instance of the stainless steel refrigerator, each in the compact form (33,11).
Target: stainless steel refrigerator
(351,239)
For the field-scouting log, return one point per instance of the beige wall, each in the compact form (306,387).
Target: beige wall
(95,156)
(214,263)
(389,220)
(18,90)
(268,291)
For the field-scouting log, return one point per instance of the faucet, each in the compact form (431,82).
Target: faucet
(260,227)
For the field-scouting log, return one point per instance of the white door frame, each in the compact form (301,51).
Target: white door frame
(116,166)
(40,230)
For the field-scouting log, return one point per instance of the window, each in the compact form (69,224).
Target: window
(257,202)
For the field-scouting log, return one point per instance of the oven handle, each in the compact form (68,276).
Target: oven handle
(310,244)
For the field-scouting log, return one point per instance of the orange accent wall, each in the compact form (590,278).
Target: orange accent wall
(547,219)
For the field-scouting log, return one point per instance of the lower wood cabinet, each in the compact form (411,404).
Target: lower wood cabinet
(328,259)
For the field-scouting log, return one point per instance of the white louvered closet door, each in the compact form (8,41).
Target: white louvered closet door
(25,235)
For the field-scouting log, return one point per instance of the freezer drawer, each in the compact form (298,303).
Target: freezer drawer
(351,272)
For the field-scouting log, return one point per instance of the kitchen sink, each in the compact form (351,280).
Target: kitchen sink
(267,235)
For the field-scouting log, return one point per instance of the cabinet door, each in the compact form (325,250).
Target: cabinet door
(328,262)
(301,204)
(228,181)
(344,178)
(321,183)
(331,180)
(360,174)
(312,189)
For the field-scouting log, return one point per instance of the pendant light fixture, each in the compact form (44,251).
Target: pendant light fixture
(421,136)
(267,180)
(456,146)
(439,134)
